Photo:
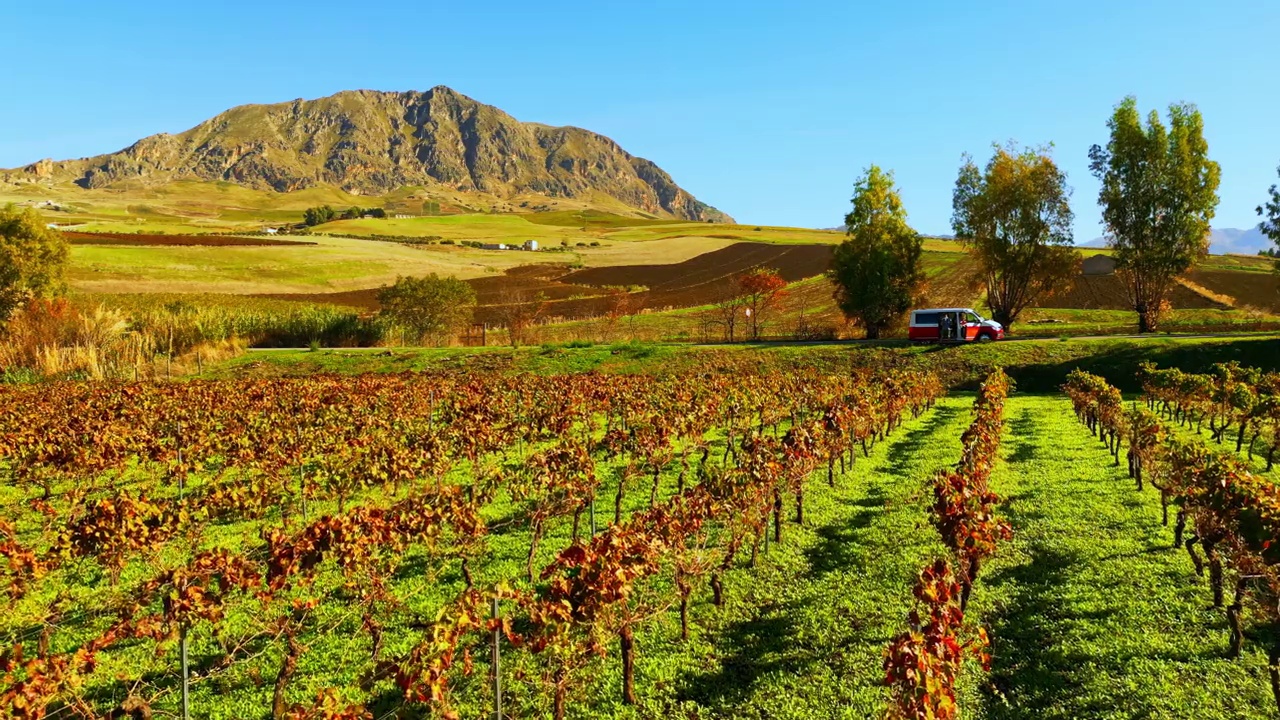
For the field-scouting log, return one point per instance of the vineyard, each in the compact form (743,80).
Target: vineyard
(721,540)
(1226,517)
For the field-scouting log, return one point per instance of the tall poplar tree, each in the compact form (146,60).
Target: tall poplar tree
(1159,192)
(1270,213)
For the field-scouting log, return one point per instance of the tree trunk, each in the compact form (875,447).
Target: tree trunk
(1002,316)
(1233,620)
(1146,320)
(561,695)
(1215,573)
(533,550)
(684,615)
(717,590)
(628,645)
(1195,557)
(800,506)
(374,628)
(466,573)
(617,499)
(278,705)
(777,516)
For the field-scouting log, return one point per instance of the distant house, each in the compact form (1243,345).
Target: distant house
(1099,265)
(271,231)
(401,216)
(531,245)
(493,246)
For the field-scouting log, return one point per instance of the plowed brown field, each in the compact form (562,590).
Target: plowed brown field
(1106,292)
(1249,289)
(586,293)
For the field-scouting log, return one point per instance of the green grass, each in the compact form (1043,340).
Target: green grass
(591,219)
(1092,613)
(333,264)
(1037,365)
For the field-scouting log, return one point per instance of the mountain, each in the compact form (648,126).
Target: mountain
(1241,242)
(1222,241)
(371,143)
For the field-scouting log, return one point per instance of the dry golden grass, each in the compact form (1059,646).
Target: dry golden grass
(1206,292)
(658,251)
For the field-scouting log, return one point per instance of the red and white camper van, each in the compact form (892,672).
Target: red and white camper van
(952,325)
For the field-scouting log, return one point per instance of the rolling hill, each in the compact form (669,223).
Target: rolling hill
(366,142)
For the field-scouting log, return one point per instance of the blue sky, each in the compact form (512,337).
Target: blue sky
(766,110)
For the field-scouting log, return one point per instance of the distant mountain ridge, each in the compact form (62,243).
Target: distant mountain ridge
(1222,241)
(371,143)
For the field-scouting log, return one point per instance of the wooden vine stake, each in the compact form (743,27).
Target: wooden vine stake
(186,676)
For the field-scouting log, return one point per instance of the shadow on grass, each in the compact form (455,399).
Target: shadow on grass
(751,649)
(838,543)
(1031,675)
(1023,431)
(904,450)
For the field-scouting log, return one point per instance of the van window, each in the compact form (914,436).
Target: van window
(925,318)
(970,317)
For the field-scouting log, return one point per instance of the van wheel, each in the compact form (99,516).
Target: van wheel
(985,338)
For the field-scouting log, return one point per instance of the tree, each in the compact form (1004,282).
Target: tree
(760,291)
(1271,219)
(319,215)
(622,302)
(432,306)
(517,310)
(33,258)
(876,271)
(727,310)
(1015,219)
(1159,191)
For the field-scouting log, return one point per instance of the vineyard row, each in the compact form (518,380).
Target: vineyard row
(922,664)
(1227,518)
